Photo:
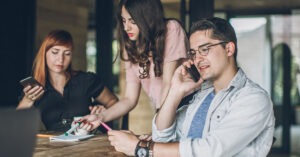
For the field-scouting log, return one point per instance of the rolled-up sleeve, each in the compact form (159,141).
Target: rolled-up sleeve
(174,132)
(166,135)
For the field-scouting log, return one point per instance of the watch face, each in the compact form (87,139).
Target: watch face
(142,152)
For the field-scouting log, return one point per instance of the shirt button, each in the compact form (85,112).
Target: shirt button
(64,121)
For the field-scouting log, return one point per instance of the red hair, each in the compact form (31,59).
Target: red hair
(54,38)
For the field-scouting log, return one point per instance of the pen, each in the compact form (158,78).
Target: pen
(105,126)
(72,128)
(44,135)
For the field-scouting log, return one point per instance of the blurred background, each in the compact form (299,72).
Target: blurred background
(268,50)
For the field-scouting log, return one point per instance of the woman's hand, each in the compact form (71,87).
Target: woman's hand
(124,141)
(33,93)
(90,122)
(97,109)
(80,131)
(94,119)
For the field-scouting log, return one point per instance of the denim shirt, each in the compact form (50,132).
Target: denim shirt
(240,122)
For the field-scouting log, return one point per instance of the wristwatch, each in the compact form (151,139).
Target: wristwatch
(142,149)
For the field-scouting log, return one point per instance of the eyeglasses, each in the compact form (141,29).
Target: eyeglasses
(203,50)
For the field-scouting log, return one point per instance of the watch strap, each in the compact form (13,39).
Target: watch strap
(137,148)
(151,146)
(142,144)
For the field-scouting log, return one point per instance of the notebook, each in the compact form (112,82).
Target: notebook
(70,138)
(18,132)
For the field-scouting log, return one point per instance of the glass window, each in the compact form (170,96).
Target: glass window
(272,38)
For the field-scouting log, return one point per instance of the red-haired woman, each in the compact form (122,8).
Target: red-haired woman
(68,93)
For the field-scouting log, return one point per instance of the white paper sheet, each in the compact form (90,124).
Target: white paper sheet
(70,138)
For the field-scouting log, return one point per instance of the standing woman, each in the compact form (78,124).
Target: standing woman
(68,93)
(152,48)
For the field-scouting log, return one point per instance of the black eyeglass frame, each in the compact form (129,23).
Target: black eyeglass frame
(192,53)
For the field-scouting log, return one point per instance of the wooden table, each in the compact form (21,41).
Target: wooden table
(97,146)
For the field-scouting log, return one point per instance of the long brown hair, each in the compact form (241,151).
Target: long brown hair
(54,38)
(149,17)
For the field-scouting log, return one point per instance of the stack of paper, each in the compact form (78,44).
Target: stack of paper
(70,138)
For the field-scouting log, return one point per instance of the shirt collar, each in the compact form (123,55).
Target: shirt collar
(238,80)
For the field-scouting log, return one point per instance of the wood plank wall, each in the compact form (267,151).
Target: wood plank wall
(71,15)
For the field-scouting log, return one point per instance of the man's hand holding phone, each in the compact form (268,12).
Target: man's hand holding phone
(182,82)
(33,90)
(193,72)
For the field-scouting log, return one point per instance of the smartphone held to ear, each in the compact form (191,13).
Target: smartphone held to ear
(193,72)
(30,81)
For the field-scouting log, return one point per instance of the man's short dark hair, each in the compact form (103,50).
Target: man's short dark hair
(221,30)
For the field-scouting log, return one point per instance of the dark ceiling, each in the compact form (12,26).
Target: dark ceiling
(256,4)
(245,5)
(232,7)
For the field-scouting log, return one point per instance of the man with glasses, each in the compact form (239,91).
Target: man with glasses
(229,115)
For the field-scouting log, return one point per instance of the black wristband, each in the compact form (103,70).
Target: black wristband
(137,147)
(142,148)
